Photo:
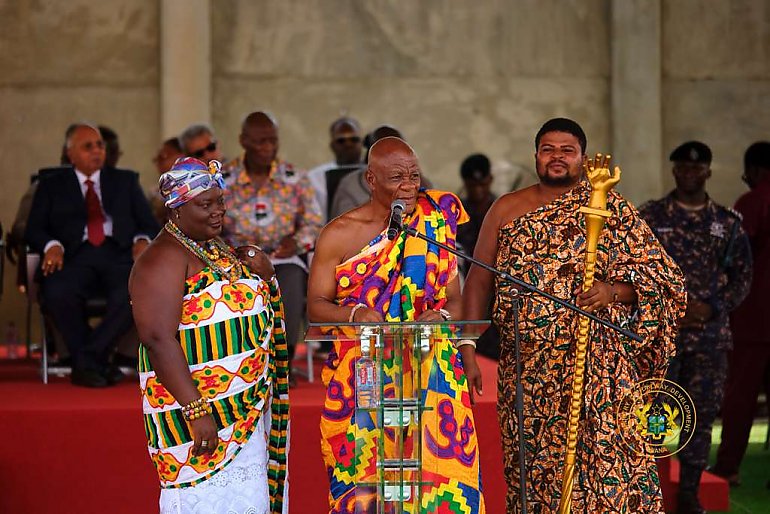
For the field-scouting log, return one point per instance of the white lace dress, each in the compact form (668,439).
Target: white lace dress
(240,488)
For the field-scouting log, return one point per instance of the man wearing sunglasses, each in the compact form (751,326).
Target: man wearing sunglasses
(353,189)
(198,141)
(347,145)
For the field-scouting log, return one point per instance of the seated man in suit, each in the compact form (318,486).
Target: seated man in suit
(89,222)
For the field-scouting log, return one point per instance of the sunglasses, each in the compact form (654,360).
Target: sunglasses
(347,139)
(200,153)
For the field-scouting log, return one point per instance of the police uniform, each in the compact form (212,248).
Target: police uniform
(713,251)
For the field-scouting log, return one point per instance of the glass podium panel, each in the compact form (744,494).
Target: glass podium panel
(401,410)
(453,330)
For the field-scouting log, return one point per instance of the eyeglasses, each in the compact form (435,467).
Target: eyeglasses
(200,153)
(347,139)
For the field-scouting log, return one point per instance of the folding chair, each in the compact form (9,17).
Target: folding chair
(95,307)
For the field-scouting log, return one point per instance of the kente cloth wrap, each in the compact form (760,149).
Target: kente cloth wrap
(546,248)
(188,178)
(232,335)
(401,279)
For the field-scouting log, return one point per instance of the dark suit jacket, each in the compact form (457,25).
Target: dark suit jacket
(59,209)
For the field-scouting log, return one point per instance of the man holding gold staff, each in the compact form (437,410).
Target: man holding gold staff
(360,275)
(539,234)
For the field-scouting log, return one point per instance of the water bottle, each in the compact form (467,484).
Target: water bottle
(12,340)
(367,384)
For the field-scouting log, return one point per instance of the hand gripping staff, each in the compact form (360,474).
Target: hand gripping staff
(602,180)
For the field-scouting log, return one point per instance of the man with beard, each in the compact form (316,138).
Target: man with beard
(708,243)
(538,234)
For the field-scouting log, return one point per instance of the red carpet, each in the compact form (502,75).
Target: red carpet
(714,492)
(75,450)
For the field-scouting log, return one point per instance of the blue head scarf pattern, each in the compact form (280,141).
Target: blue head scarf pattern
(188,178)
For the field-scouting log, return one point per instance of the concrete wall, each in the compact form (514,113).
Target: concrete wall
(716,82)
(456,77)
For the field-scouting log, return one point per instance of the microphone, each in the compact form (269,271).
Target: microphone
(396,213)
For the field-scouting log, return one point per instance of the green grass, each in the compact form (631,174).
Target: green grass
(752,496)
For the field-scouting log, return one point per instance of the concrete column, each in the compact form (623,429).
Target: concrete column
(637,121)
(185,60)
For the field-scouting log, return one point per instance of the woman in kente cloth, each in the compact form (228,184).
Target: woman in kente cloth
(213,360)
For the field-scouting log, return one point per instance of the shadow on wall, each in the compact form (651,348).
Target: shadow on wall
(511,177)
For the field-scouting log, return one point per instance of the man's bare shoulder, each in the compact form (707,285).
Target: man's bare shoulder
(515,204)
(346,234)
(351,220)
(517,196)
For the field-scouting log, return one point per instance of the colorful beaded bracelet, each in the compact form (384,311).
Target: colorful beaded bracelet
(196,409)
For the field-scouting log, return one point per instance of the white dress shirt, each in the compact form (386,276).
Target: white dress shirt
(96,179)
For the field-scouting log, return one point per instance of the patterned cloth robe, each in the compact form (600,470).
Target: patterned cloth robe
(232,335)
(546,248)
(401,279)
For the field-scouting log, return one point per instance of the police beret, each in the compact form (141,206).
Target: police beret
(693,151)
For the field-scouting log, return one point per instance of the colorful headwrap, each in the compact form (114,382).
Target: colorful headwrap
(188,178)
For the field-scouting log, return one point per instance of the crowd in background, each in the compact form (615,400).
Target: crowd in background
(270,202)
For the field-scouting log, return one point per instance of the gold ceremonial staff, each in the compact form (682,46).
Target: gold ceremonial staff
(602,180)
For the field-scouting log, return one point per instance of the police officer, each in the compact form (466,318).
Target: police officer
(709,244)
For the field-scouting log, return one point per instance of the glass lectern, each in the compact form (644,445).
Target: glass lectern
(406,383)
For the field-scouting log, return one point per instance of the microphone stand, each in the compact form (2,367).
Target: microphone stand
(515,294)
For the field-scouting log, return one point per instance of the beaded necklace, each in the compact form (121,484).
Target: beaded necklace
(209,254)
